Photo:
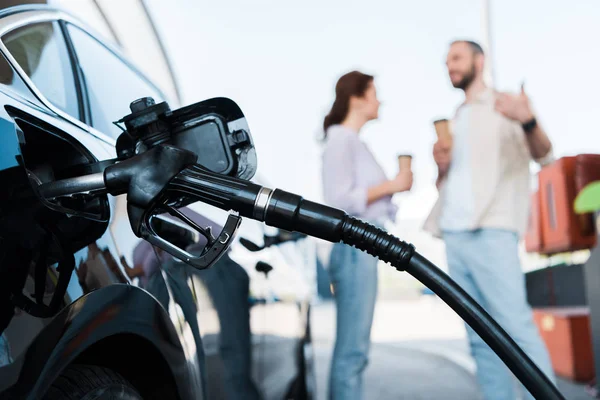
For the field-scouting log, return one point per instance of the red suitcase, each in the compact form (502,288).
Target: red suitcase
(562,229)
(587,170)
(568,337)
(534,242)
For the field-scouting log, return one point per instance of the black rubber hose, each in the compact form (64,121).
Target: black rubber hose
(291,212)
(402,255)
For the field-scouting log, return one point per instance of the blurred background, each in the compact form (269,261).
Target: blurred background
(280,62)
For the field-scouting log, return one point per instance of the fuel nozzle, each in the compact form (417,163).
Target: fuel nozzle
(146,179)
(276,208)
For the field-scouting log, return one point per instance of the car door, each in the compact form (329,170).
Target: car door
(53,140)
(47,146)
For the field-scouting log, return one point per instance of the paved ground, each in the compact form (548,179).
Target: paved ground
(397,373)
(418,352)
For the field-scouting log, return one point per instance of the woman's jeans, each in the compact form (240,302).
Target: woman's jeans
(354,278)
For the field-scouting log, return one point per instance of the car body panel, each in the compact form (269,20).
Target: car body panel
(92,318)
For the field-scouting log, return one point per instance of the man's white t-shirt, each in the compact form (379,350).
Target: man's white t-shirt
(457,208)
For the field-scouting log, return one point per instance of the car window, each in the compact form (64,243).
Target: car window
(111,84)
(9,78)
(41,51)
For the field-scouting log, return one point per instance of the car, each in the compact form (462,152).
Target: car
(82,312)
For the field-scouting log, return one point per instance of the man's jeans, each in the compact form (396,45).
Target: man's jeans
(354,279)
(485,263)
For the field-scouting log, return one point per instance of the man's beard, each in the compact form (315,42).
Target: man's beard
(466,81)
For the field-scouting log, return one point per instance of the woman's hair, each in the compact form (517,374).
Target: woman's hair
(351,84)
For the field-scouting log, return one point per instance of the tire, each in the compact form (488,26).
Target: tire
(91,382)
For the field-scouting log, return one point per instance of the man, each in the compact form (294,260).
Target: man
(483,182)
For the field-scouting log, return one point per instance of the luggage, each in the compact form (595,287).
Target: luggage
(567,334)
(533,236)
(556,286)
(562,229)
(587,170)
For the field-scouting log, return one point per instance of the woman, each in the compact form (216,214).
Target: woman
(354,182)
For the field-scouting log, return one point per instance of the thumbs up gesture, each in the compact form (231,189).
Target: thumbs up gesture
(515,107)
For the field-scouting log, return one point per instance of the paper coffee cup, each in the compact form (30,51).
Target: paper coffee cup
(442,129)
(404,161)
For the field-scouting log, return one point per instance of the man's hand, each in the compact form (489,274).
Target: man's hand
(515,107)
(442,155)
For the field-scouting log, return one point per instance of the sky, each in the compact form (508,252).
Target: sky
(279,61)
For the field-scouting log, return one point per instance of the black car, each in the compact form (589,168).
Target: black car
(87,308)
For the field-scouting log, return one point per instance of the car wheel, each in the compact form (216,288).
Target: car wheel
(91,382)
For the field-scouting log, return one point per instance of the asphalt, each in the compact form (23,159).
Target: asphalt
(407,374)
(428,359)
